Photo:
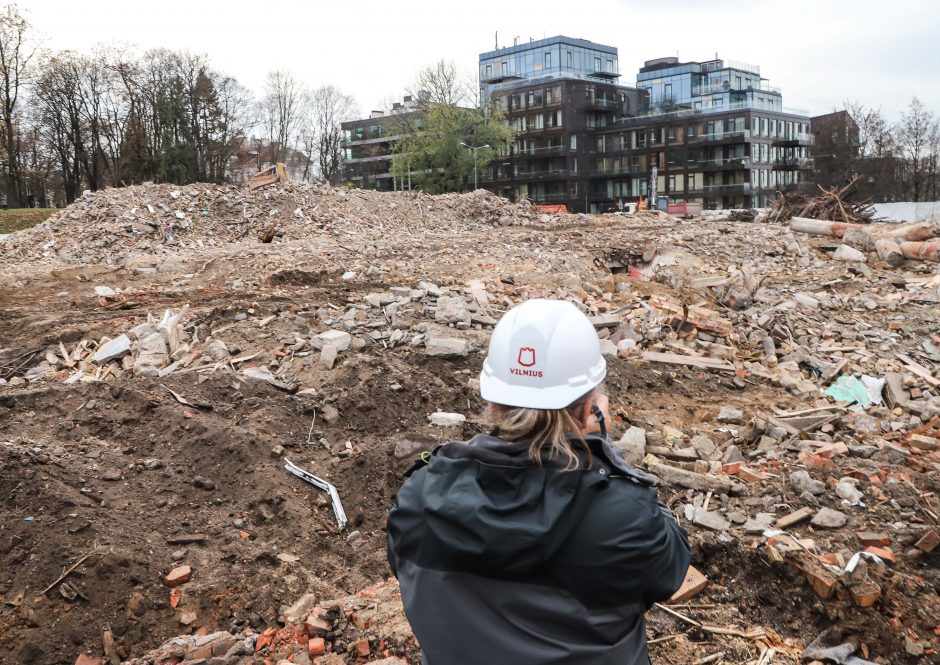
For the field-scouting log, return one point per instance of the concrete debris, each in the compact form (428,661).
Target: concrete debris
(447,346)
(441,419)
(112,350)
(829,518)
(633,445)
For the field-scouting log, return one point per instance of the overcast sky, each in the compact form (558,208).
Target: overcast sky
(821,52)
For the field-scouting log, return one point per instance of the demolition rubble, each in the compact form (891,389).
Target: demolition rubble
(781,379)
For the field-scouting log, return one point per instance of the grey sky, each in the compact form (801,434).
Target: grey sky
(821,52)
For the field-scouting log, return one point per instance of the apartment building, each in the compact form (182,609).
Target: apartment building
(716,132)
(554,93)
(368,144)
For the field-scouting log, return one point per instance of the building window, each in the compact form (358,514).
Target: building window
(574,165)
(574,141)
(610,66)
(667,92)
(737,82)
(568,58)
(489,72)
(672,134)
(548,61)
(597,64)
(505,67)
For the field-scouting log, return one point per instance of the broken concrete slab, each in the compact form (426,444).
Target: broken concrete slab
(338,338)
(828,518)
(152,355)
(447,347)
(112,350)
(633,445)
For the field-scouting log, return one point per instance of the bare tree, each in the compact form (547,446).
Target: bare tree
(442,83)
(16,54)
(917,138)
(282,109)
(329,108)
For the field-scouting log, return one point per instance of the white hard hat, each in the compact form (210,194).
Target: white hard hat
(544,354)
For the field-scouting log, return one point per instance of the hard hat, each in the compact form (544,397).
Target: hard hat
(544,354)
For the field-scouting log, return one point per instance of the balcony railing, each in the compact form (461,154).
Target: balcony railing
(733,187)
(793,163)
(540,175)
(543,198)
(615,171)
(732,87)
(718,136)
(742,162)
(795,140)
(543,150)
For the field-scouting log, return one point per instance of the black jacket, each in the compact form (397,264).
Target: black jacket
(503,562)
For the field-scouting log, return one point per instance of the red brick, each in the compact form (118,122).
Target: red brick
(928,542)
(362,648)
(869,538)
(316,646)
(822,581)
(692,585)
(177,576)
(866,594)
(87,660)
(881,553)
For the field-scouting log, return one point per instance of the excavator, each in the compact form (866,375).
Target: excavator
(268,176)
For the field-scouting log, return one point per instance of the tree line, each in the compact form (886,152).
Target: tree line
(109,117)
(897,162)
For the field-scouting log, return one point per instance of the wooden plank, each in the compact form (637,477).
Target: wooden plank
(690,361)
(918,369)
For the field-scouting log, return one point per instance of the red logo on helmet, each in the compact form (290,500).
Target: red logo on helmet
(526,356)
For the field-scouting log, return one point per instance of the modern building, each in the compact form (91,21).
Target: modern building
(368,145)
(716,132)
(555,94)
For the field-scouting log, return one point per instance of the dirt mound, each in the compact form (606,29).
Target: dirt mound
(108,225)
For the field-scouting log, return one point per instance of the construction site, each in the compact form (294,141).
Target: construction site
(176,361)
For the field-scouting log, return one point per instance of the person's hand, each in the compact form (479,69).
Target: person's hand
(589,424)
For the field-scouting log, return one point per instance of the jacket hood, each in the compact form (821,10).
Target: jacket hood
(484,506)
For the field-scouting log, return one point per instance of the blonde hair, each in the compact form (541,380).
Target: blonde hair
(554,433)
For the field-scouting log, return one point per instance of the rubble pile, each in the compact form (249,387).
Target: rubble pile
(109,225)
(369,626)
(784,391)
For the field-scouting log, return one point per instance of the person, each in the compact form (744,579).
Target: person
(538,543)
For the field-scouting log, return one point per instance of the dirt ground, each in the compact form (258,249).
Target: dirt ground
(123,482)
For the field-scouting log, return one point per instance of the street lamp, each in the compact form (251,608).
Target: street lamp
(474,149)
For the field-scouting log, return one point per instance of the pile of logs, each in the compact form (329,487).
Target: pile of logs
(892,244)
(831,204)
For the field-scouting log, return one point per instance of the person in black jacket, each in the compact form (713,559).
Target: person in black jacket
(538,544)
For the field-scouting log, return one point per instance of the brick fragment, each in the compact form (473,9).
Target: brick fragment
(316,646)
(882,553)
(177,576)
(873,538)
(362,648)
(928,542)
(692,585)
(866,594)
(84,659)
(822,581)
